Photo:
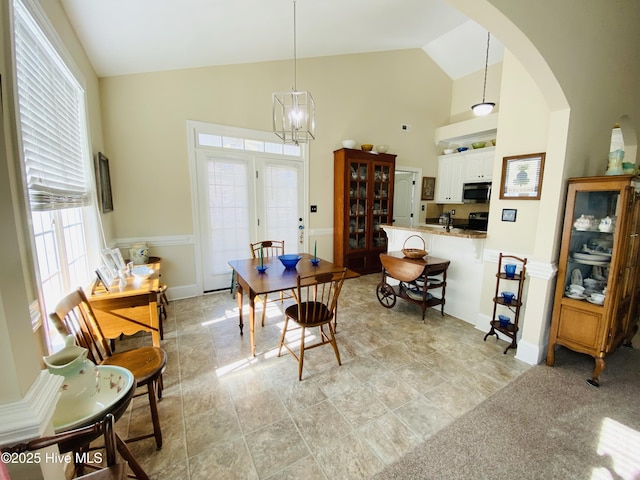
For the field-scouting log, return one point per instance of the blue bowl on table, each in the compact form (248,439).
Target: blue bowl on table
(289,261)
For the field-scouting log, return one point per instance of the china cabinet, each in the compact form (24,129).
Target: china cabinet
(597,290)
(363,203)
(506,302)
(450,179)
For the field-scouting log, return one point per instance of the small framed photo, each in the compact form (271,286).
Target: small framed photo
(428,188)
(522,177)
(103,178)
(109,262)
(104,275)
(509,214)
(118,259)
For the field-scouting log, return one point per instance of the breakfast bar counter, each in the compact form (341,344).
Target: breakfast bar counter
(463,248)
(437,229)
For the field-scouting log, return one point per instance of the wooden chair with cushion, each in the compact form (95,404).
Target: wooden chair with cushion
(270,248)
(316,304)
(73,316)
(77,440)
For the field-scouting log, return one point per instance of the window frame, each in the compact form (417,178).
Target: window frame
(91,222)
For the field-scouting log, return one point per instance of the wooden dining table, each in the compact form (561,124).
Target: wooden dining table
(130,308)
(275,279)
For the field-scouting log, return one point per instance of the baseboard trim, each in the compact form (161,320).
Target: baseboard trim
(183,291)
(531,353)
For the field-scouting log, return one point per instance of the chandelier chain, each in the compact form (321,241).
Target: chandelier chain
(295,56)
(486,66)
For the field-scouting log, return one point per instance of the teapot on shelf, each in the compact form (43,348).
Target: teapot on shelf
(586,222)
(607,224)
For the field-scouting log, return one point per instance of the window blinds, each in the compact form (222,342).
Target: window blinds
(51,117)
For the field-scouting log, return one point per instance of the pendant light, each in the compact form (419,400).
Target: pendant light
(294,111)
(484,108)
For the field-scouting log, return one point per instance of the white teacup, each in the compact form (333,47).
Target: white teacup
(597,297)
(576,289)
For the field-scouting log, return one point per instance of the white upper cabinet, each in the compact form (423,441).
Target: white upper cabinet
(479,165)
(450,179)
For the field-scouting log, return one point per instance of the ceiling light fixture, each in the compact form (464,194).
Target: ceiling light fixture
(294,111)
(484,108)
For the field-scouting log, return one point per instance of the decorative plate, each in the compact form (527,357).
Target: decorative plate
(599,263)
(592,256)
(576,277)
(591,300)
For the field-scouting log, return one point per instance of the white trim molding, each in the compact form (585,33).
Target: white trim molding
(28,417)
(543,270)
(165,241)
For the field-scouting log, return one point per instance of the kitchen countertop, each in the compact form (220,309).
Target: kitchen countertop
(437,229)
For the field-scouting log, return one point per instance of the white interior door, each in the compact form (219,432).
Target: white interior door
(245,197)
(403,197)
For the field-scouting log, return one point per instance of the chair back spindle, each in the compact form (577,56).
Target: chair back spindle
(270,248)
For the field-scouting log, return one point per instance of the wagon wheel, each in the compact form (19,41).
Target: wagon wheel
(386,295)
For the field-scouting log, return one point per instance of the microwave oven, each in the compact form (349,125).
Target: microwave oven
(476,192)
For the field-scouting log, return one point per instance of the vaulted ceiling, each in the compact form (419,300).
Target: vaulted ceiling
(124,36)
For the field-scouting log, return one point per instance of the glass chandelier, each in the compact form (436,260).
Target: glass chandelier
(294,111)
(484,108)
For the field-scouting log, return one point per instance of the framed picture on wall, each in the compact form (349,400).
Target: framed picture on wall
(103,178)
(428,188)
(522,177)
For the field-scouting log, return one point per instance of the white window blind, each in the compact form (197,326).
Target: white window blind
(51,116)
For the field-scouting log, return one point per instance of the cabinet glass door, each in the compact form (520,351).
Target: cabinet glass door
(591,245)
(358,185)
(381,207)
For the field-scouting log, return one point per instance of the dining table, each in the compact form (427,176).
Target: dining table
(276,278)
(129,308)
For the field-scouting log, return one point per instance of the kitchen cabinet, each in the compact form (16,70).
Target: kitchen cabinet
(599,253)
(478,165)
(450,179)
(363,203)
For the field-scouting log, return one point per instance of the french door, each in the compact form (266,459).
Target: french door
(245,197)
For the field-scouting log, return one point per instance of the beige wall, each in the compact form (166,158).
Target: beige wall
(364,97)
(467,91)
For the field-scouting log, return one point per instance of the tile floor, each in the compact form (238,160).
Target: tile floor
(226,415)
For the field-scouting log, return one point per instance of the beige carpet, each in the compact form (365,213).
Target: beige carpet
(547,424)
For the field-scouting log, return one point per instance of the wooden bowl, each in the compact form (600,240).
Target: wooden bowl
(367,147)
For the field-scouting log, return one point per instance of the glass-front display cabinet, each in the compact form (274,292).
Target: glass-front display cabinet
(363,203)
(595,305)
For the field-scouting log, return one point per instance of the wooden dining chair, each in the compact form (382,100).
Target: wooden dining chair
(270,248)
(78,440)
(73,316)
(163,302)
(316,304)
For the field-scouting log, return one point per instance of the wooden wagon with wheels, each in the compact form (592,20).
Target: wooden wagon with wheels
(417,277)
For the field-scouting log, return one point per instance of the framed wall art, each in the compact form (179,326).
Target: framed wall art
(522,177)
(509,214)
(104,183)
(428,188)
